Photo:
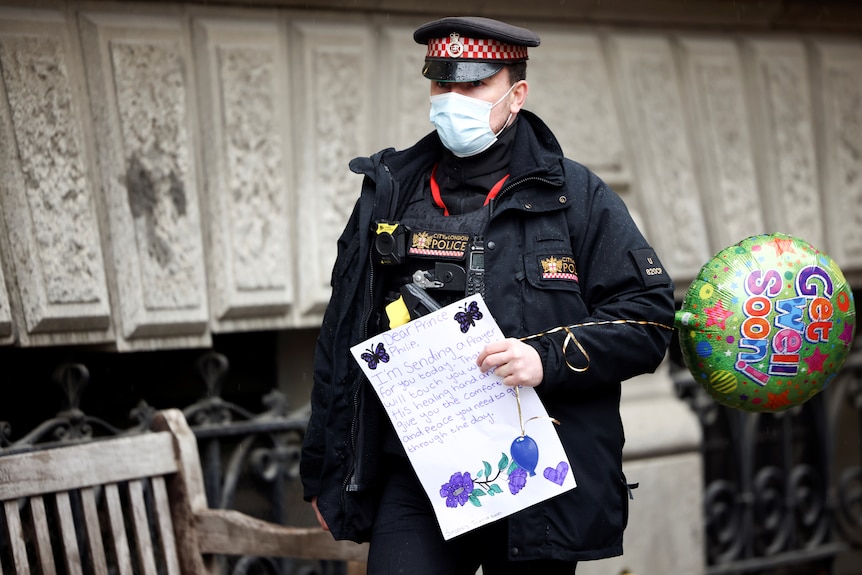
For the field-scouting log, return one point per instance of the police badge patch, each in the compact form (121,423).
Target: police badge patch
(651,271)
(439,245)
(559,268)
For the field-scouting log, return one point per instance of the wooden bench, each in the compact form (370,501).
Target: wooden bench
(136,504)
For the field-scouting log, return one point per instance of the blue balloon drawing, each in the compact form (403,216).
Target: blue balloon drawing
(525,452)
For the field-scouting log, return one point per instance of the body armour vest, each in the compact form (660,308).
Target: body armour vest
(444,256)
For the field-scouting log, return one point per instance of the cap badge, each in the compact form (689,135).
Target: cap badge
(455,47)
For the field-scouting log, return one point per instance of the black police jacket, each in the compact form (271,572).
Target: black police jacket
(553,211)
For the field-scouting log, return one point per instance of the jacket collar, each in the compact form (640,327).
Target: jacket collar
(535,154)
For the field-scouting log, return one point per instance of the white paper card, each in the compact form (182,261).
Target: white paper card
(461,428)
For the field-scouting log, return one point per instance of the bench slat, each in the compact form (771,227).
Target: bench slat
(43,538)
(118,530)
(76,466)
(16,537)
(67,534)
(162,510)
(234,533)
(94,532)
(141,528)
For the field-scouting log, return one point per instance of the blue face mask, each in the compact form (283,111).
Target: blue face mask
(464,123)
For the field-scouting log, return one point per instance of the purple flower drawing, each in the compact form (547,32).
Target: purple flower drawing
(462,487)
(517,480)
(457,491)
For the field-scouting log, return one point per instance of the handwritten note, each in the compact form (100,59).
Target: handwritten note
(477,458)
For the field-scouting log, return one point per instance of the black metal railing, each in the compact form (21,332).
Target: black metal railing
(783,491)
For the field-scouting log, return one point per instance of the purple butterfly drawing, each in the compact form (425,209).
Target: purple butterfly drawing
(374,356)
(467,318)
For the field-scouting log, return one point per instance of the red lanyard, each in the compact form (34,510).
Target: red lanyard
(438,199)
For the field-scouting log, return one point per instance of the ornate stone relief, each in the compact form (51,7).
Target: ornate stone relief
(334,82)
(728,180)
(402,95)
(840,76)
(47,193)
(783,119)
(663,175)
(242,69)
(570,90)
(170,172)
(138,69)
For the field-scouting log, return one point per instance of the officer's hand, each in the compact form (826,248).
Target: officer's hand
(515,361)
(320,518)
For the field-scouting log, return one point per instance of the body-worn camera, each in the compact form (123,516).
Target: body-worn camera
(390,242)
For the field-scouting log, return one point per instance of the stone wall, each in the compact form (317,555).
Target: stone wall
(173,171)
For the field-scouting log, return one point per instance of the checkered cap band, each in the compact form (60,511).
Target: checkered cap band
(460,48)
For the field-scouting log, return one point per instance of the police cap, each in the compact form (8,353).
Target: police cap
(465,49)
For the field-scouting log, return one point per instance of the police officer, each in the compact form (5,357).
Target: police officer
(486,202)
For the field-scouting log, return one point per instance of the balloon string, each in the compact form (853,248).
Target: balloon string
(570,337)
(521,417)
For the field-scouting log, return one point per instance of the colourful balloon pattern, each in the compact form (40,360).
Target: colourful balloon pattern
(767,323)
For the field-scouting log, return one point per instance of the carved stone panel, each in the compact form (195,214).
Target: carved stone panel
(570,90)
(402,94)
(141,89)
(242,72)
(332,82)
(55,257)
(663,178)
(784,130)
(840,79)
(728,179)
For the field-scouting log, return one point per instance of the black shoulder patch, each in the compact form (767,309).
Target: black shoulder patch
(650,268)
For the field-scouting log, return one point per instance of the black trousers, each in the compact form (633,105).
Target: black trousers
(407,540)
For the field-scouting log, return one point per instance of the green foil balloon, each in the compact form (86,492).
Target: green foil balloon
(767,323)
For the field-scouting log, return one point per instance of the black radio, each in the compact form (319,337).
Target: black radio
(476,267)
